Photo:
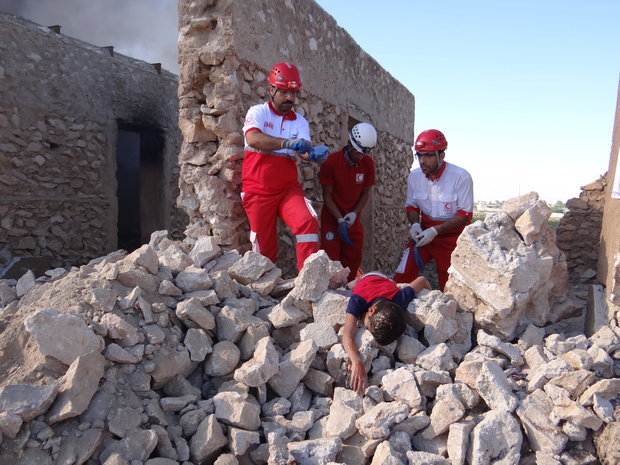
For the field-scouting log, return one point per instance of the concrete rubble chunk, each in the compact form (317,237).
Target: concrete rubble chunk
(314,452)
(506,279)
(492,385)
(286,313)
(445,412)
(378,421)
(222,360)
(263,365)
(27,401)
(25,283)
(232,322)
(10,423)
(138,445)
(204,250)
(567,409)
(120,329)
(237,409)
(293,367)
(208,440)
(504,348)
(250,268)
(605,388)
(198,344)
(191,309)
(64,337)
(401,385)
(314,278)
(426,458)
(496,439)
(458,441)
(330,308)
(386,454)
(344,411)
(267,282)
(77,387)
(322,334)
(193,278)
(543,434)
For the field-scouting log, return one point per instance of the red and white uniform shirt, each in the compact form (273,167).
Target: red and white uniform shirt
(271,172)
(438,200)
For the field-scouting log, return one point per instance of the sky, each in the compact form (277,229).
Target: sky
(524,90)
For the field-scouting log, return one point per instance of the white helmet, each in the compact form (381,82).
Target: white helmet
(363,137)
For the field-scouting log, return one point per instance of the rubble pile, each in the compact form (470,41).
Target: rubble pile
(180,353)
(508,271)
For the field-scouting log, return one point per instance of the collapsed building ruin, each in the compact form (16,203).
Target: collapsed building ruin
(88,147)
(189,352)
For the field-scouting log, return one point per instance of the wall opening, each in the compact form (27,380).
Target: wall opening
(140,184)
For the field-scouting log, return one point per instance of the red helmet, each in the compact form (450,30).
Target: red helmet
(285,76)
(430,140)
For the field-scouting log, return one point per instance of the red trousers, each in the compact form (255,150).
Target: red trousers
(294,209)
(440,249)
(336,249)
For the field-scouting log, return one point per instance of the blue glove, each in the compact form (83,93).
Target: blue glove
(343,232)
(418,259)
(298,145)
(318,153)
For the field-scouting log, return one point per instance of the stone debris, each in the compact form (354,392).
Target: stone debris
(172,355)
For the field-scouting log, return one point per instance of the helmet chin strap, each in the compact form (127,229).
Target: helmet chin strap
(439,163)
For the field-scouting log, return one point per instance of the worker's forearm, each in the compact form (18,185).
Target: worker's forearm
(413,217)
(332,208)
(452,223)
(351,349)
(261,141)
(361,202)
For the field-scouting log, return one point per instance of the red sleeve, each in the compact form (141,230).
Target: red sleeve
(326,176)
(370,179)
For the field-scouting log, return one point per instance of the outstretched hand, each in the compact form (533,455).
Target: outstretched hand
(298,145)
(318,153)
(359,378)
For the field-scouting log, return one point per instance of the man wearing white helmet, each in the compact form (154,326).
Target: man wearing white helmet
(347,177)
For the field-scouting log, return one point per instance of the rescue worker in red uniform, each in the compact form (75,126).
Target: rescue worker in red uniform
(347,177)
(275,136)
(440,203)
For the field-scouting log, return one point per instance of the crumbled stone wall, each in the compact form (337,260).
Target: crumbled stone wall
(579,231)
(224,61)
(61,101)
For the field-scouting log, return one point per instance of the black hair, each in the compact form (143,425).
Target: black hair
(388,322)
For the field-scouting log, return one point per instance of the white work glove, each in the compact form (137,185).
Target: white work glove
(426,237)
(350,218)
(415,230)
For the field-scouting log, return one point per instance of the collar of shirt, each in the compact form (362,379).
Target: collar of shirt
(290,115)
(348,158)
(436,176)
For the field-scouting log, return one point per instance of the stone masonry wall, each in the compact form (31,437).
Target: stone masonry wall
(226,49)
(579,231)
(61,100)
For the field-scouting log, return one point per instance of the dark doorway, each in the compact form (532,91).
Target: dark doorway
(140,181)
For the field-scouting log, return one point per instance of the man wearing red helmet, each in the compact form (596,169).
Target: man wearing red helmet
(275,136)
(440,203)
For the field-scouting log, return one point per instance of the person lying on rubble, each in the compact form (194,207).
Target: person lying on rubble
(380,304)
